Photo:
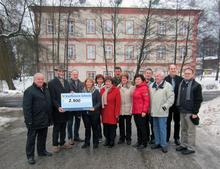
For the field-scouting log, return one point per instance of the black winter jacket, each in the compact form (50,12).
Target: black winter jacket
(37,107)
(56,88)
(190,106)
(178,80)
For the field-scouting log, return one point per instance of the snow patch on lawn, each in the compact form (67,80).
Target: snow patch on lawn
(5,120)
(210,117)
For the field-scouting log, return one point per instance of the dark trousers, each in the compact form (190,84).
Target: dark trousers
(142,124)
(59,134)
(151,128)
(71,117)
(41,135)
(91,122)
(110,133)
(125,122)
(175,115)
(99,128)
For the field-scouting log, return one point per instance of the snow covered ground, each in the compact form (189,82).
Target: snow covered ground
(19,85)
(210,117)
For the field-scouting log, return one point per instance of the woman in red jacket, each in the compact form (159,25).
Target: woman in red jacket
(140,106)
(111,104)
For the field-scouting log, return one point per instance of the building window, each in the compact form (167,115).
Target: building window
(70,25)
(161,52)
(51,52)
(50,26)
(108,27)
(183,28)
(130,74)
(182,51)
(71,52)
(50,75)
(142,29)
(91,52)
(110,73)
(109,51)
(161,28)
(129,27)
(90,26)
(210,51)
(91,74)
(146,53)
(129,52)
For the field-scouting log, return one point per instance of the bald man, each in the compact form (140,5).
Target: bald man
(174,113)
(37,114)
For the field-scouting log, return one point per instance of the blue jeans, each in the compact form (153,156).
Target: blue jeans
(160,130)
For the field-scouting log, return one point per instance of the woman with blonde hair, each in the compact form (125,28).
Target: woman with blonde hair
(126,90)
(91,117)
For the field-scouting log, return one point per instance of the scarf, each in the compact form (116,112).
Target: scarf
(104,97)
(188,90)
(160,86)
(89,91)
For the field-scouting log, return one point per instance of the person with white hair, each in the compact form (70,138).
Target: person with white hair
(162,98)
(37,108)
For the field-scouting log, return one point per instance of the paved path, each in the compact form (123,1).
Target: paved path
(12,154)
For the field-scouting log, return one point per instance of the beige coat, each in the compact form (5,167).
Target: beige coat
(162,97)
(126,99)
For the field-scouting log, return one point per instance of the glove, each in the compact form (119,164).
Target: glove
(164,108)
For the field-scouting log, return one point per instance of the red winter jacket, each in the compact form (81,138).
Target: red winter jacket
(111,111)
(141,99)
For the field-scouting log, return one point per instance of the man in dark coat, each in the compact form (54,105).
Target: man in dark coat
(37,114)
(116,78)
(174,114)
(57,86)
(148,74)
(188,102)
(76,86)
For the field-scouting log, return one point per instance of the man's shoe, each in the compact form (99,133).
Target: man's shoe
(66,146)
(187,152)
(181,148)
(151,141)
(56,149)
(45,153)
(95,146)
(164,149)
(31,160)
(128,142)
(136,145)
(141,147)
(121,141)
(78,139)
(85,145)
(71,142)
(106,143)
(155,146)
(177,142)
(110,145)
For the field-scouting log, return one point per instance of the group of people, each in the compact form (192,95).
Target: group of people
(153,103)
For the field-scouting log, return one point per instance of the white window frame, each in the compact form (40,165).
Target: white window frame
(109,51)
(129,27)
(183,28)
(129,52)
(71,27)
(161,52)
(71,53)
(50,26)
(91,74)
(91,52)
(108,26)
(161,28)
(90,26)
